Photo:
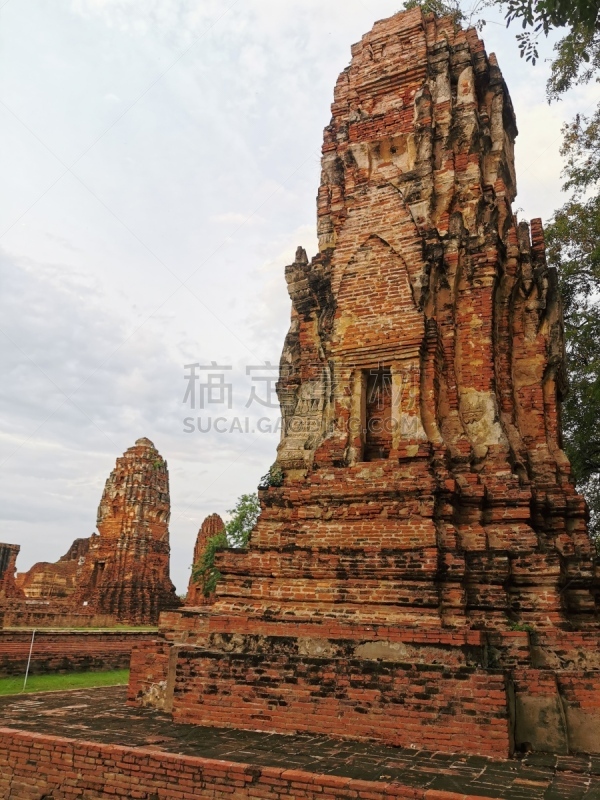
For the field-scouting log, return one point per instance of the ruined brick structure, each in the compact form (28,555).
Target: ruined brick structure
(8,567)
(122,572)
(126,572)
(424,575)
(211,526)
(55,580)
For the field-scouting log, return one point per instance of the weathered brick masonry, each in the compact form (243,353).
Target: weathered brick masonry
(127,571)
(55,580)
(53,615)
(211,526)
(122,571)
(427,507)
(305,764)
(8,567)
(33,766)
(67,651)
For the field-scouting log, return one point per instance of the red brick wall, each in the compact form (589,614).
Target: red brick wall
(581,689)
(558,711)
(149,667)
(19,615)
(126,570)
(33,766)
(183,626)
(66,651)
(8,559)
(430,706)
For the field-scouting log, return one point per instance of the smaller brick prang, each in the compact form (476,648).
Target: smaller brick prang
(211,526)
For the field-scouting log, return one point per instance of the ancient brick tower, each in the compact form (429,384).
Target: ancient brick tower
(211,526)
(126,570)
(424,574)
(58,580)
(8,566)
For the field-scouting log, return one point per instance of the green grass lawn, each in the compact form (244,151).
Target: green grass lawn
(58,683)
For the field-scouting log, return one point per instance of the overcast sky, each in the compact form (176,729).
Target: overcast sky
(160,162)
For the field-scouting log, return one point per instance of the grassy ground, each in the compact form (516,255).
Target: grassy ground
(58,683)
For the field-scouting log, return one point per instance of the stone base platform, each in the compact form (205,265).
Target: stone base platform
(487,693)
(88,743)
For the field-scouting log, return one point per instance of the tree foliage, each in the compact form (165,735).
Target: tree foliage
(204,570)
(441,8)
(540,16)
(581,149)
(236,534)
(243,519)
(547,14)
(577,60)
(453,8)
(573,238)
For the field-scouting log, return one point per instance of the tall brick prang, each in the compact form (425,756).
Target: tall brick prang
(126,571)
(424,574)
(121,573)
(211,526)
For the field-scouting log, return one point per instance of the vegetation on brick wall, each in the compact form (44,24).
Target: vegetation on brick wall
(243,519)
(274,477)
(236,534)
(204,571)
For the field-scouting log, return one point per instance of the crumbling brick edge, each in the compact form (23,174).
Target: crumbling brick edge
(34,765)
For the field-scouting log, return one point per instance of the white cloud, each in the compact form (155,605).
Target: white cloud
(236,218)
(62,339)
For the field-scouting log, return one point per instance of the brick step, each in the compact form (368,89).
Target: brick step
(432,636)
(417,593)
(327,562)
(324,614)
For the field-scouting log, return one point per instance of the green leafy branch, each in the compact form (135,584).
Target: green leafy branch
(236,534)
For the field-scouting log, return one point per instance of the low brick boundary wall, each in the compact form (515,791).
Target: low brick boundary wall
(19,615)
(38,767)
(67,651)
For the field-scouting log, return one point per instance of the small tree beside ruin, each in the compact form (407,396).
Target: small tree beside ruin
(236,535)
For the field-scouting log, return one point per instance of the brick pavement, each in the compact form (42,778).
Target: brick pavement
(100,715)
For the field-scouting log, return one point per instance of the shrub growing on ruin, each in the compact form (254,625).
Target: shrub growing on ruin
(236,534)
(204,571)
(274,477)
